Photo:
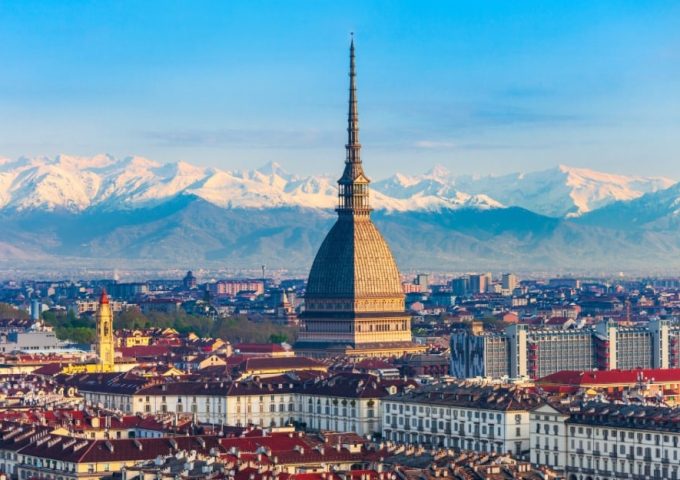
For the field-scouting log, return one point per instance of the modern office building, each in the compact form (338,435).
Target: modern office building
(480,283)
(523,351)
(509,281)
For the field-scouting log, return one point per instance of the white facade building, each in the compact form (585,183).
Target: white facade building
(598,441)
(480,417)
(345,402)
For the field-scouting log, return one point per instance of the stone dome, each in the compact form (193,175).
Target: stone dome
(354,261)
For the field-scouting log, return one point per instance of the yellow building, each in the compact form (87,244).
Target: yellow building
(134,338)
(354,301)
(105,343)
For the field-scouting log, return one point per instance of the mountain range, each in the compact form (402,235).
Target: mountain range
(134,211)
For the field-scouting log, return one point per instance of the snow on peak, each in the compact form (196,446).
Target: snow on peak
(273,169)
(563,191)
(590,189)
(439,172)
(77,183)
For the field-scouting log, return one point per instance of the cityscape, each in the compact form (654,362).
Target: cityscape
(172,321)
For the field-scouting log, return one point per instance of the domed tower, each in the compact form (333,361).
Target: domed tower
(354,302)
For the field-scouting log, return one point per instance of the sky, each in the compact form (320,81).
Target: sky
(481,87)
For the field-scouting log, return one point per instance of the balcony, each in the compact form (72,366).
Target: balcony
(613,454)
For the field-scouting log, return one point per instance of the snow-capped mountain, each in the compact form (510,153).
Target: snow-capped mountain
(562,191)
(656,211)
(77,183)
(96,211)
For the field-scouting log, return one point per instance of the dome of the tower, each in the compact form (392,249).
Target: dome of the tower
(354,261)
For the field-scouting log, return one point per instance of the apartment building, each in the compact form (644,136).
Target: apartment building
(523,351)
(599,440)
(27,453)
(480,417)
(345,402)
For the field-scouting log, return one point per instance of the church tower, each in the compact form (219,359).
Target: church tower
(105,343)
(354,301)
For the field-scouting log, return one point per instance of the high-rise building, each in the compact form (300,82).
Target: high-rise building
(423,280)
(480,283)
(460,286)
(509,281)
(35,309)
(105,343)
(354,301)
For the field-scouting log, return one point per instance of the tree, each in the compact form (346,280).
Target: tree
(9,311)
(278,338)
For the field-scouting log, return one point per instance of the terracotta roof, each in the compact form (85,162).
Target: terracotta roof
(93,451)
(144,351)
(259,347)
(610,377)
(287,363)
(50,369)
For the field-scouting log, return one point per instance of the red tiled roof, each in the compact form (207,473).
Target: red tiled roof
(259,348)
(144,351)
(50,369)
(94,451)
(610,377)
(287,363)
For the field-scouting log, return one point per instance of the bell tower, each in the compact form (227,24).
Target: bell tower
(105,344)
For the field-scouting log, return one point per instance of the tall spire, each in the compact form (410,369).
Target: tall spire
(353,146)
(353,185)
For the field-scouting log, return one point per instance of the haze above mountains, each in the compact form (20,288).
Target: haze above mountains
(135,211)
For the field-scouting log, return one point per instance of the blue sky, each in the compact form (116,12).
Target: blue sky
(480,87)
